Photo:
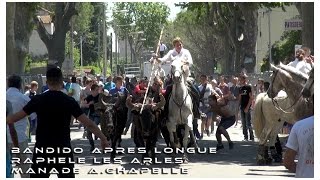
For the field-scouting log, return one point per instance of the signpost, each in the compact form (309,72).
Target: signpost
(292,24)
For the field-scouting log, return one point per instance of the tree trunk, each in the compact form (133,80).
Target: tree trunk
(10,43)
(22,31)
(250,35)
(56,43)
(307,14)
(56,49)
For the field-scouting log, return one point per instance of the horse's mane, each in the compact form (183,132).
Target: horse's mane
(294,72)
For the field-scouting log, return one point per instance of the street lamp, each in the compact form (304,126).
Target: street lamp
(81,58)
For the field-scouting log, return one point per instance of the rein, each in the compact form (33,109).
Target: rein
(184,99)
(275,102)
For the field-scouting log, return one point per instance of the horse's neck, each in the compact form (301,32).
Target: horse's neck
(179,91)
(293,89)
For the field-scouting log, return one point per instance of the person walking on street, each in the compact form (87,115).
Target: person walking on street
(93,116)
(54,110)
(245,98)
(162,48)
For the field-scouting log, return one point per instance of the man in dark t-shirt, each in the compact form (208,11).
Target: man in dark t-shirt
(94,116)
(245,98)
(54,110)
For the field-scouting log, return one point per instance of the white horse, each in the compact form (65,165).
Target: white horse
(271,113)
(180,104)
(307,90)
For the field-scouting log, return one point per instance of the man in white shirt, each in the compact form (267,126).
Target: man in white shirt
(183,55)
(18,101)
(162,48)
(75,89)
(300,62)
(301,144)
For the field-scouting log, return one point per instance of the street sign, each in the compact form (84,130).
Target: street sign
(296,47)
(292,24)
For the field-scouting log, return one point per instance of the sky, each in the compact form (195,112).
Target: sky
(173,10)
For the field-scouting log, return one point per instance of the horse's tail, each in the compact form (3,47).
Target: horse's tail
(259,120)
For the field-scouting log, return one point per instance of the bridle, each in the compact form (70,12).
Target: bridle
(275,102)
(185,98)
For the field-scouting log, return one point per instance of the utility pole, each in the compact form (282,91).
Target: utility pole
(111,52)
(104,43)
(71,44)
(99,65)
(126,48)
(269,24)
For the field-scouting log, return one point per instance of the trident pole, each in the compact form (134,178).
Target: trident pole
(157,51)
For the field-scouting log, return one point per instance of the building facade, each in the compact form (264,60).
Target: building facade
(277,22)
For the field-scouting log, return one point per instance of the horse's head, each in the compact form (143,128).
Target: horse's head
(276,82)
(179,71)
(286,78)
(307,90)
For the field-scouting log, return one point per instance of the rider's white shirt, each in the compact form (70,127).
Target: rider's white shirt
(173,55)
(302,66)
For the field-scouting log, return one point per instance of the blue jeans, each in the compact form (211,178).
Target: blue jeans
(96,120)
(246,124)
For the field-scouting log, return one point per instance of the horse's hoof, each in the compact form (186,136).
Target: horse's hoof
(261,162)
(185,159)
(269,161)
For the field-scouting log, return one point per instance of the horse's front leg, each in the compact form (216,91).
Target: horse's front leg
(185,142)
(192,138)
(172,129)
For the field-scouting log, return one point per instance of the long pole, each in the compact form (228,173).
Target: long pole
(71,48)
(157,51)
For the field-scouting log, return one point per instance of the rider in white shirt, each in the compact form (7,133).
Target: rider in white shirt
(300,62)
(183,55)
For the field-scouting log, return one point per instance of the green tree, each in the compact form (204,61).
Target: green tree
(283,50)
(148,17)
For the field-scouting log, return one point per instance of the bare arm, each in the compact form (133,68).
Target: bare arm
(288,160)
(14,135)
(16,117)
(94,129)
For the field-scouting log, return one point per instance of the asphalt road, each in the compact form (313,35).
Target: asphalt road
(236,163)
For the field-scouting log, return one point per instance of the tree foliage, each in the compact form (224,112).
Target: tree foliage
(283,50)
(148,17)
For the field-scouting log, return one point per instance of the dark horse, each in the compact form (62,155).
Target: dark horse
(113,118)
